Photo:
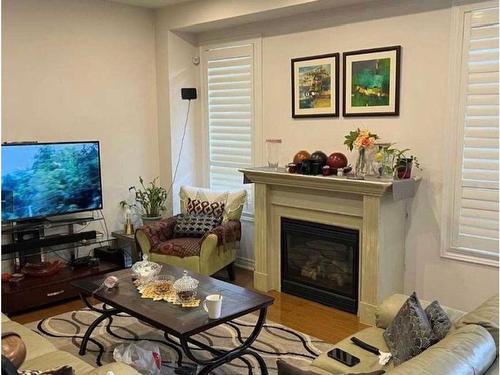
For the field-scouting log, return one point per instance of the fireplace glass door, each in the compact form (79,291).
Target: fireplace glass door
(320,262)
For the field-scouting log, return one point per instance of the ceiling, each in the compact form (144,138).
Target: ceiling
(150,3)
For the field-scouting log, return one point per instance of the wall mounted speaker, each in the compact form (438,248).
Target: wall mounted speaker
(188,93)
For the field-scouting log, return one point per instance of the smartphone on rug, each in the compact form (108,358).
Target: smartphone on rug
(343,357)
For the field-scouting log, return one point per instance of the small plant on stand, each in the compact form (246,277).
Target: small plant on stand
(150,200)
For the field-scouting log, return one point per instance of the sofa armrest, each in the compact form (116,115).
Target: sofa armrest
(117,368)
(467,350)
(227,232)
(151,235)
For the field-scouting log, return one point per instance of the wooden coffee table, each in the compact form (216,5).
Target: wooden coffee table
(183,323)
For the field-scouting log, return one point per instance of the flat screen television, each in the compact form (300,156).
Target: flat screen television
(49,179)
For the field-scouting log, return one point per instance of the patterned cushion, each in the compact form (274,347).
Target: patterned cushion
(195,225)
(199,207)
(179,247)
(439,320)
(160,231)
(65,370)
(233,200)
(410,333)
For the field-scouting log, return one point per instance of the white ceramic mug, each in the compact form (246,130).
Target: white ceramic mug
(213,305)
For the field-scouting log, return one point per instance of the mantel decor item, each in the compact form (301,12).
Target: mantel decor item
(300,157)
(273,149)
(315,86)
(363,141)
(395,163)
(371,82)
(149,200)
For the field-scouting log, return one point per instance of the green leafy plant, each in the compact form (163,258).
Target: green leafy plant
(399,159)
(150,198)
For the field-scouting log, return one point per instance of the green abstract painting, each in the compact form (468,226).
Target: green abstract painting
(370,82)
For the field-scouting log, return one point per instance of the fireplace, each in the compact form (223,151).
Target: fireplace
(320,262)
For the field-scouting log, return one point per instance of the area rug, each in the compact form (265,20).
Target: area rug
(275,341)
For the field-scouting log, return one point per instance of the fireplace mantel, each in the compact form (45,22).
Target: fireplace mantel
(365,205)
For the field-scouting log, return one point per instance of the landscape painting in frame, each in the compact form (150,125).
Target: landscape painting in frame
(371,82)
(315,86)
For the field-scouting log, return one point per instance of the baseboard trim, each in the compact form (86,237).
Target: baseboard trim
(245,263)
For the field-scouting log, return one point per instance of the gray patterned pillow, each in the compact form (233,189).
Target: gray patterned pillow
(189,225)
(410,333)
(439,320)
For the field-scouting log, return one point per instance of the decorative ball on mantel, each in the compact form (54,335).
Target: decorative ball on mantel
(337,160)
(301,156)
(320,157)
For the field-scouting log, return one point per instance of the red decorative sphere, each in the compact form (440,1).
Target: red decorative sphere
(301,156)
(337,160)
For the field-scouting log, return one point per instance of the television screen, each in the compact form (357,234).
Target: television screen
(48,179)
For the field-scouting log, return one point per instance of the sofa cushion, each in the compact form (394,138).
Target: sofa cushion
(159,231)
(388,309)
(285,368)
(440,323)
(410,333)
(179,247)
(64,370)
(485,315)
(467,350)
(190,225)
(55,359)
(36,345)
(368,361)
(233,200)
(201,207)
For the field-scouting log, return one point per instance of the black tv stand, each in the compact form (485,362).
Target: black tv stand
(33,242)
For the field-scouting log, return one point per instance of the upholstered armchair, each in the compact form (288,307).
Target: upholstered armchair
(205,255)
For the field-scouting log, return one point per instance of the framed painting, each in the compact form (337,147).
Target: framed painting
(315,86)
(371,82)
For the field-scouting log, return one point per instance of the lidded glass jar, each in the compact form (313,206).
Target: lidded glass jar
(145,271)
(186,288)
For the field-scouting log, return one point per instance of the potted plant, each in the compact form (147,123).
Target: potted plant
(396,162)
(403,164)
(149,200)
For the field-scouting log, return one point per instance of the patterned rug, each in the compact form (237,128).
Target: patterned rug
(275,341)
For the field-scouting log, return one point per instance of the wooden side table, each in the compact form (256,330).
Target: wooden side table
(127,240)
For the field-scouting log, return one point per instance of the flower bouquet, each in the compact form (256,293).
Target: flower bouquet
(360,140)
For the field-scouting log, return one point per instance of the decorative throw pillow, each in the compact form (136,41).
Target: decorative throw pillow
(65,370)
(410,333)
(189,225)
(439,320)
(199,207)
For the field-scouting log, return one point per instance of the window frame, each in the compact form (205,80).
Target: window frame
(454,143)
(257,131)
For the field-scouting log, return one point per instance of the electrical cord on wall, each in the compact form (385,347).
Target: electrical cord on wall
(180,150)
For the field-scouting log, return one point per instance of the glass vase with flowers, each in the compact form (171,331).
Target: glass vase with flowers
(363,141)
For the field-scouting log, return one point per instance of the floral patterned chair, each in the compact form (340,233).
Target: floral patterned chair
(205,255)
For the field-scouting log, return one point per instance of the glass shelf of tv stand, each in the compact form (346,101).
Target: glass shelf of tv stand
(47,224)
(100,240)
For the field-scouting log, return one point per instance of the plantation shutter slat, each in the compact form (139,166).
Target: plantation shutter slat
(230,107)
(477,204)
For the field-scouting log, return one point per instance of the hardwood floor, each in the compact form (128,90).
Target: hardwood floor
(325,323)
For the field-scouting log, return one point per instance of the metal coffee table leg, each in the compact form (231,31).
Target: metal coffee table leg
(105,314)
(222,357)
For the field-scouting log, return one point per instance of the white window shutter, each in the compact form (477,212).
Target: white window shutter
(476,203)
(230,115)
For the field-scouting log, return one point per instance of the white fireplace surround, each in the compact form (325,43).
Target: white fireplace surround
(364,205)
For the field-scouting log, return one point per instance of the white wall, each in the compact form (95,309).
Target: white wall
(83,70)
(184,74)
(423,30)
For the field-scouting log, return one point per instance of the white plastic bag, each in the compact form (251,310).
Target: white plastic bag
(142,355)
